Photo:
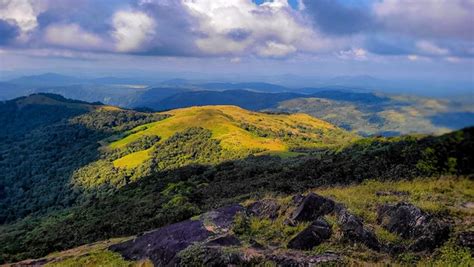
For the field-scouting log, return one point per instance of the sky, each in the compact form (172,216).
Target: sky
(397,39)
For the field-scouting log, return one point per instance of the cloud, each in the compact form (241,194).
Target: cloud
(132,29)
(21,12)
(269,29)
(72,36)
(353,54)
(430,48)
(242,28)
(427,19)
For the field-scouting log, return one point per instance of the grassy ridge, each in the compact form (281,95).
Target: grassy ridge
(238,130)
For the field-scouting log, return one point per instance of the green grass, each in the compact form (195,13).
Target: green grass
(93,255)
(437,195)
(226,124)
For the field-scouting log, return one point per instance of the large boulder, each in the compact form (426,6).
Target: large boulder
(354,231)
(312,236)
(410,222)
(162,245)
(266,208)
(312,207)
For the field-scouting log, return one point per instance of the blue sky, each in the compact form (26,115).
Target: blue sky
(405,39)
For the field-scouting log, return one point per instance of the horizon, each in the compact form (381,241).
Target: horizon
(243,40)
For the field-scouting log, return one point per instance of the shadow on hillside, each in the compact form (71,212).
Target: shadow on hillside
(170,196)
(43,144)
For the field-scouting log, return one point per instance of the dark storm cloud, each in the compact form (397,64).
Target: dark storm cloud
(332,17)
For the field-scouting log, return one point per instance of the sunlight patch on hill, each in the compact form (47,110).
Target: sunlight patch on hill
(237,129)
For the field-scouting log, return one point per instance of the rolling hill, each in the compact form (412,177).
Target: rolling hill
(75,172)
(238,131)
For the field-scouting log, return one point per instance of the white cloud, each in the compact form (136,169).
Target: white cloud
(353,54)
(430,48)
(72,36)
(273,49)
(132,29)
(270,29)
(21,12)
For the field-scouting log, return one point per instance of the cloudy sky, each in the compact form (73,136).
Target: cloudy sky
(425,39)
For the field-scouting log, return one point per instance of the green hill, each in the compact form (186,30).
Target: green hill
(238,131)
(75,173)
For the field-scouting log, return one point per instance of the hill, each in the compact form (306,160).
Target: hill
(89,147)
(238,131)
(165,197)
(370,114)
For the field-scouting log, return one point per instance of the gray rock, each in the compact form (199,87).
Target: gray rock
(267,208)
(354,231)
(224,241)
(312,207)
(410,222)
(162,245)
(312,236)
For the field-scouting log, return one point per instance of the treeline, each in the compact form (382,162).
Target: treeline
(175,194)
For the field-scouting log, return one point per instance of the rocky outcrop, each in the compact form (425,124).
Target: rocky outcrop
(161,246)
(210,241)
(312,236)
(354,231)
(266,208)
(312,207)
(410,222)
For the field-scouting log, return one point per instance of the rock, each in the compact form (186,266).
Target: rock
(297,199)
(354,231)
(267,208)
(392,193)
(410,222)
(466,239)
(221,220)
(312,236)
(217,256)
(224,241)
(312,207)
(162,245)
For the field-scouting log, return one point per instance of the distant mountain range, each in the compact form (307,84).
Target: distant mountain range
(347,102)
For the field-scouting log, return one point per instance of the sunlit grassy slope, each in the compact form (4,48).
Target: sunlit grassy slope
(237,129)
(449,192)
